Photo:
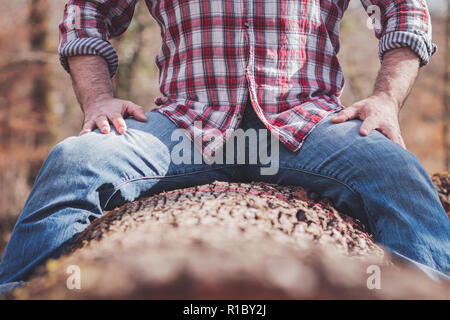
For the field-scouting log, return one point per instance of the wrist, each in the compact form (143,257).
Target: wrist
(391,98)
(96,100)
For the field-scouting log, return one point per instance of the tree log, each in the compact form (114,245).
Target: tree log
(231,241)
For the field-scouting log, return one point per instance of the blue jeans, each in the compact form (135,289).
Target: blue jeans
(371,178)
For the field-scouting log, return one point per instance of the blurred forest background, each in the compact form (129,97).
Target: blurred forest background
(38,107)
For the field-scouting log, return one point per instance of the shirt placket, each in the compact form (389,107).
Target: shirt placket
(250,67)
(243,45)
(250,44)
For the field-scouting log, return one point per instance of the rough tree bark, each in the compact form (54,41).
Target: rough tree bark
(231,240)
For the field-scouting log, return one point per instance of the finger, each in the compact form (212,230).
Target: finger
(368,125)
(393,135)
(397,138)
(118,123)
(346,114)
(403,144)
(136,111)
(103,124)
(88,126)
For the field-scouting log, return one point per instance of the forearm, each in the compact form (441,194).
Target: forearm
(380,110)
(397,75)
(94,90)
(91,79)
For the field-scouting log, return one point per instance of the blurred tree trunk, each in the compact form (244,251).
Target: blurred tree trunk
(130,48)
(40,91)
(354,84)
(25,107)
(447,97)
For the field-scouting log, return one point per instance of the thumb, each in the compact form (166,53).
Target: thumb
(346,114)
(88,126)
(137,112)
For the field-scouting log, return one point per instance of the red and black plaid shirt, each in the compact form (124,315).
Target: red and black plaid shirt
(217,53)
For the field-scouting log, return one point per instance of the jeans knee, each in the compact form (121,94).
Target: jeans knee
(71,152)
(392,162)
(403,162)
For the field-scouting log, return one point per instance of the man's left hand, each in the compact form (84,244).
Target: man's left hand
(377,113)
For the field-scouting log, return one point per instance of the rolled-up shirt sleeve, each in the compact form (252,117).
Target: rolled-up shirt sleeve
(88,25)
(402,23)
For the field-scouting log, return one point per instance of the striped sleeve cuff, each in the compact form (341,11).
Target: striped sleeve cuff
(417,42)
(89,46)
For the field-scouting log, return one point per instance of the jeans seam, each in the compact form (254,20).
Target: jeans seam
(123,183)
(160,177)
(346,184)
(169,176)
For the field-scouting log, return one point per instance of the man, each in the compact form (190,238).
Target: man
(250,64)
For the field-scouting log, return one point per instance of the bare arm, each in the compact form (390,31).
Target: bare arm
(397,76)
(380,110)
(93,88)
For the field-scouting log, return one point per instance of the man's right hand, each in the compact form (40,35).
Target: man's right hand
(103,111)
(93,87)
